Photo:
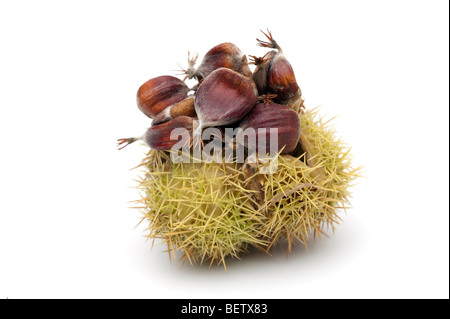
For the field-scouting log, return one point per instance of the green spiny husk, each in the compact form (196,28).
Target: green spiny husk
(211,211)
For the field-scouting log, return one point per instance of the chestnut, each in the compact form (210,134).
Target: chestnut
(185,107)
(259,76)
(158,93)
(279,78)
(266,116)
(224,55)
(224,97)
(159,137)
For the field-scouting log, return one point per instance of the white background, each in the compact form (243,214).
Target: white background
(69,72)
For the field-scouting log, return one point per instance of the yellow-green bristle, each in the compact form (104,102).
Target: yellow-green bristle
(214,210)
(201,209)
(306,192)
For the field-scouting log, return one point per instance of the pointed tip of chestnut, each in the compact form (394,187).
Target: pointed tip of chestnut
(271,43)
(260,60)
(124,142)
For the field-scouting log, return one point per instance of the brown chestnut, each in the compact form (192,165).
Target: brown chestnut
(185,107)
(224,97)
(224,55)
(266,116)
(159,137)
(259,76)
(158,93)
(280,77)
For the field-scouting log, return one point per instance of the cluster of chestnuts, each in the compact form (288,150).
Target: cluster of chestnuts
(212,210)
(228,93)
